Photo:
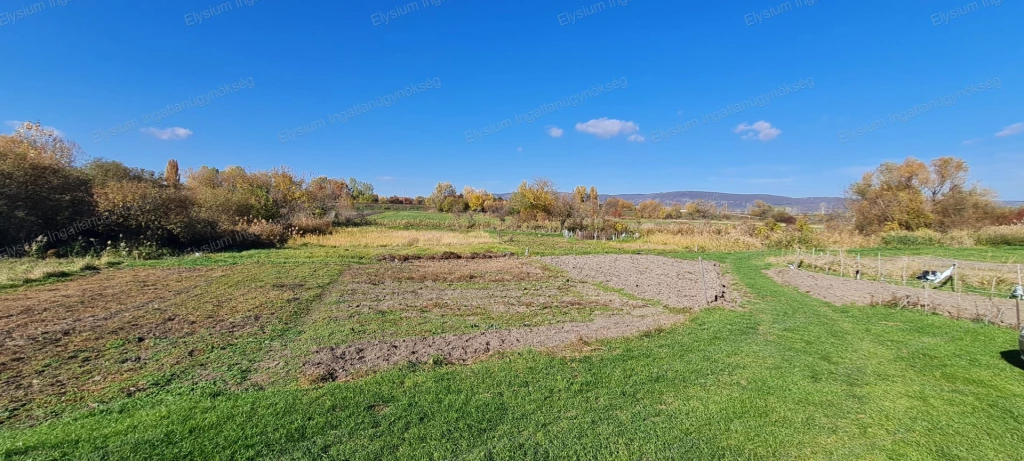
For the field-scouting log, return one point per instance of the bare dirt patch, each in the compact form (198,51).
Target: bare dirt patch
(464,286)
(674,282)
(844,291)
(451,271)
(443,256)
(511,286)
(340,363)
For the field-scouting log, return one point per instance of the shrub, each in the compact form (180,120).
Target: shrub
(260,234)
(312,226)
(905,239)
(38,194)
(147,214)
(1001,236)
(782,216)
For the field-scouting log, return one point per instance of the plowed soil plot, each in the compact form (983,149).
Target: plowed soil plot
(339,363)
(440,307)
(674,282)
(843,291)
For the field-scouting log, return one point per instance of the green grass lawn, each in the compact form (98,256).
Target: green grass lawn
(787,377)
(409,215)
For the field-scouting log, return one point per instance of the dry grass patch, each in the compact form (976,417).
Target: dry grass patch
(50,336)
(453,271)
(696,242)
(389,301)
(17,272)
(120,332)
(376,237)
(473,287)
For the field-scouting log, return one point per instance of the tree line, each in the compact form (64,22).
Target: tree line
(55,202)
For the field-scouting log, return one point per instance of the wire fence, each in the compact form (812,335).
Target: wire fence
(963,294)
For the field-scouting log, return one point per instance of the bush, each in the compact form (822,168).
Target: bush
(38,195)
(260,234)
(905,239)
(782,216)
(1001,236)
(145,214)
(312,226)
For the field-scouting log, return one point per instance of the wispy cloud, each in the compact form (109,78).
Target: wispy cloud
(386,178)
(1016,128)
(606,128)
(761,130)
(168,134)
(636,138)
(555,132)
(972,141)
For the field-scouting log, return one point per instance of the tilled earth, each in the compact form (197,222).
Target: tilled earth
(674,282)
(844,291)
(339,363)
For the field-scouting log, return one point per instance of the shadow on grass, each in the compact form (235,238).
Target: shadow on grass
(1013,357)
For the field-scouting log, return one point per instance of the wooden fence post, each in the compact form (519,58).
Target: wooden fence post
(703,281)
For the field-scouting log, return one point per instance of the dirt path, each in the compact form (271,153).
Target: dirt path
(339,363)
(675,282)
(843,291)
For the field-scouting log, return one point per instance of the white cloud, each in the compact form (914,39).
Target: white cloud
(555,132)
(168,134)
(636,138)
(761,130)
(971,141)
(15,124)
(605,127)
(386,178)
(1016,128)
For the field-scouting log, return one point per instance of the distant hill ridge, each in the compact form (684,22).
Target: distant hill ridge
(736,202)
(740,201)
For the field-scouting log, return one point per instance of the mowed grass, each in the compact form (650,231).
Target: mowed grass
(787,377)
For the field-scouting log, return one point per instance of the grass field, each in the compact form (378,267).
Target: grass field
(784,376)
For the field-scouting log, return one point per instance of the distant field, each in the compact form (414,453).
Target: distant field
(210,357)
(391,216)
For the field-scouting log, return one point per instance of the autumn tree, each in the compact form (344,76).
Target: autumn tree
(40,189)
(914,195)
(362,192)
(327,196)
(761,209)
(102,172)
(444,198)
(673,211)
(701,209)
(649,209)
(534,200)
(476,198)
(579,194)
(568,211)
(171,174)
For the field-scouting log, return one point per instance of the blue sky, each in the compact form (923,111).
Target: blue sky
(632,96)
